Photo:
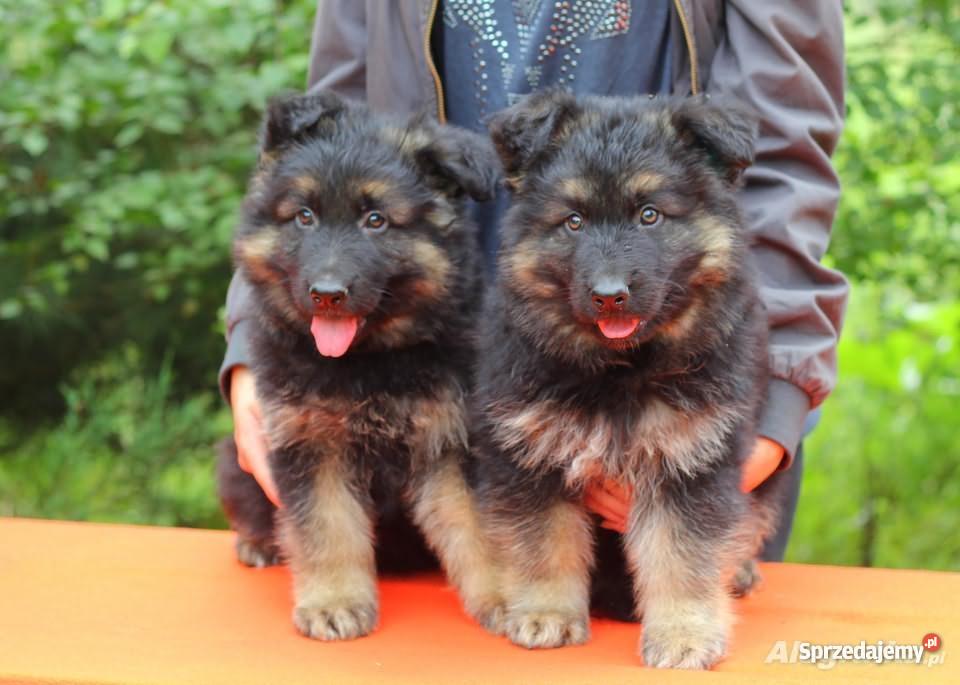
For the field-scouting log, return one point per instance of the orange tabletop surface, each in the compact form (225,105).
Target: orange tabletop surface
(89,603)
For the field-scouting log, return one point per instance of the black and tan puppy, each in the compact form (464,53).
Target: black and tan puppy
(365,277)
(623,339)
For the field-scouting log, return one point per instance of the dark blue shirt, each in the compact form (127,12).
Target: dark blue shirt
(492,52)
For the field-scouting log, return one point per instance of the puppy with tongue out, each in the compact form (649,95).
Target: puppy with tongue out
(363,272)
(623,339)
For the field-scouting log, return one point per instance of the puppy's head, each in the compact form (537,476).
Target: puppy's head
(623,217)
(354,228)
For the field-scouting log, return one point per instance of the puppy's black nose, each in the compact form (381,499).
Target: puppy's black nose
(328,295)
(610,296)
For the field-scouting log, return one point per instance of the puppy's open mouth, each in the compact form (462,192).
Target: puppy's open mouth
(620,327)
(334,335)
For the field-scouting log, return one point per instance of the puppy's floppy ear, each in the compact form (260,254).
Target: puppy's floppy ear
(459,161)
(725,131)
(525,132)
(291,118)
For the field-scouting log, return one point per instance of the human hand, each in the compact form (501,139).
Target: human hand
(611,501)
(760,465)
(248,431)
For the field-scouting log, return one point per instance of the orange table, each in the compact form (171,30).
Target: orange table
(85,603)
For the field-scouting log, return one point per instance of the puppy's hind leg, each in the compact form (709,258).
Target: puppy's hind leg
(250,513)
(444,509)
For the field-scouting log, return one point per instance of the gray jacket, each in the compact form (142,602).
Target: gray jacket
(784,58)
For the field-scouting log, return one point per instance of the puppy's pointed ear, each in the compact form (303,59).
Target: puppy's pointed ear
(458,161)
(525,133)
(725,131)
(294,117)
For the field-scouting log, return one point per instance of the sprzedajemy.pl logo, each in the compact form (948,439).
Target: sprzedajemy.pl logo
(826,656)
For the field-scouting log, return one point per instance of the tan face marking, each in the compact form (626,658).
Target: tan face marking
(717,240)
(575,190)
(256,252)
(681,327)
(306,185)
(523,265)
(441,214)
(644,183)
(435,264)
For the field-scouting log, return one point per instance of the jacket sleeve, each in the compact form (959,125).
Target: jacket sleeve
(338,62)
(785,60)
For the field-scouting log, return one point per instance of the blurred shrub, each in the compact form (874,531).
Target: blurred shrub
(899,158)
(127,129)
(125,451)
(882,483)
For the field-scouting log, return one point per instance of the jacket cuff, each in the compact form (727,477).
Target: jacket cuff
(238,354)
(784,417)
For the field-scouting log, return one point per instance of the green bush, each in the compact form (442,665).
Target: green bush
(882,483)
(125,451)
(127,130)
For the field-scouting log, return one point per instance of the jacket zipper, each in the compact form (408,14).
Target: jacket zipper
(691,47)
(428,54)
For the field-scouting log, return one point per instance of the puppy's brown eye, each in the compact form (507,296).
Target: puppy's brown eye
(574,222)
(305,218)
(649,216)
(375,221)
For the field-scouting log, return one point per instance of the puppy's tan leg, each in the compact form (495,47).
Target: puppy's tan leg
(444,509)
(328,537)
(678,575)
(547,577)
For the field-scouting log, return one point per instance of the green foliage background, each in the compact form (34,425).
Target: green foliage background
(126,133)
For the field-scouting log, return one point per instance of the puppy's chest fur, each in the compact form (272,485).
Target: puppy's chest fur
(403,430)
(629,438)
(400,409)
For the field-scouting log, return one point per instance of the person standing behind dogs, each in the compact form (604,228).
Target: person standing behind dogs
(463,60)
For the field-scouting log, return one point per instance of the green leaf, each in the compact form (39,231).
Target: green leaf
(34,142)
(129,134)
(156,45)
(10,309)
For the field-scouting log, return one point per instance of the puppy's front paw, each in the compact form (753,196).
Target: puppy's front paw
(541,629)
(257,553)
(683,645)
(335,621)
(490,612)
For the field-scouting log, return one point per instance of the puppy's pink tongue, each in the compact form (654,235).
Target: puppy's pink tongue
(333,336)
(618,328)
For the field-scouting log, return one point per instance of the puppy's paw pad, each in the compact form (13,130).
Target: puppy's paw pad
(677,648)
(544,629)
(335,622)
(257,554)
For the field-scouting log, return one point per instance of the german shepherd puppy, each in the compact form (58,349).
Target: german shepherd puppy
(366,281)
(623,339)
